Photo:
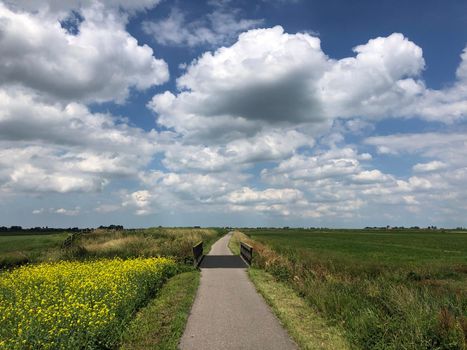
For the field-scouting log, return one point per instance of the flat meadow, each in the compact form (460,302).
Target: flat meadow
(16,249)
(386,289)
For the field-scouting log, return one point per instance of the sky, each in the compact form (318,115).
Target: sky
(320,113)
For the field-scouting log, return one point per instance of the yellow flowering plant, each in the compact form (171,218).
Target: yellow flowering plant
(71,304)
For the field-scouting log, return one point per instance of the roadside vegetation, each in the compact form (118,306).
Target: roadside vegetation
(17,249)
(86,293)
(383,289)
(161,323)
(173,242)
(302,322)
(234,242)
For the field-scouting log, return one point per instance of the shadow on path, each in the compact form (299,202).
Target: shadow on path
(222,261)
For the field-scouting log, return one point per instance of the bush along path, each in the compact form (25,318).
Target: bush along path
(228,313)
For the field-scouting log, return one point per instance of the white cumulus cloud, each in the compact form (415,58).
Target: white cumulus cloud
(37,53)
(46,147)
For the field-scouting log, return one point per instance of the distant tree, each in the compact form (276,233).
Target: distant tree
(111,227)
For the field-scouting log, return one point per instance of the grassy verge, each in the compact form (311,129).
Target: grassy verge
(303,323)
(234,243)
(161,323)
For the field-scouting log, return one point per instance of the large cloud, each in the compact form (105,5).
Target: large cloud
(269,77)
(39,54)
(49,71)
(47,147)
(377,82)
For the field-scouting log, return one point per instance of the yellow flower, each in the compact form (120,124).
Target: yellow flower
(57,305)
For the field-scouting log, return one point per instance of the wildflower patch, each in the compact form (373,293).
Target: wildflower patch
(71,305)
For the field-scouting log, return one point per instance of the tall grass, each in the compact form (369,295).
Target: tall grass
(379,306)
(174,242)
(100,243)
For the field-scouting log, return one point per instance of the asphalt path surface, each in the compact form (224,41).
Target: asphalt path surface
(228,312)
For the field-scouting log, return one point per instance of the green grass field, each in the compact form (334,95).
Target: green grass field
(18,249)
(387,289)
(27,243)
(410,248)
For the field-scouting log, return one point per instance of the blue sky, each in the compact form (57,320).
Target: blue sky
(239,113)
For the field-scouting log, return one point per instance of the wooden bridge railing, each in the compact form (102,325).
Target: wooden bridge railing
(246,252)
(198,253)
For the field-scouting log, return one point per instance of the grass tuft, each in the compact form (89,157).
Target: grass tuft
(161,323)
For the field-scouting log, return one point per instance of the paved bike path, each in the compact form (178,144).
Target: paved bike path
(228,312)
